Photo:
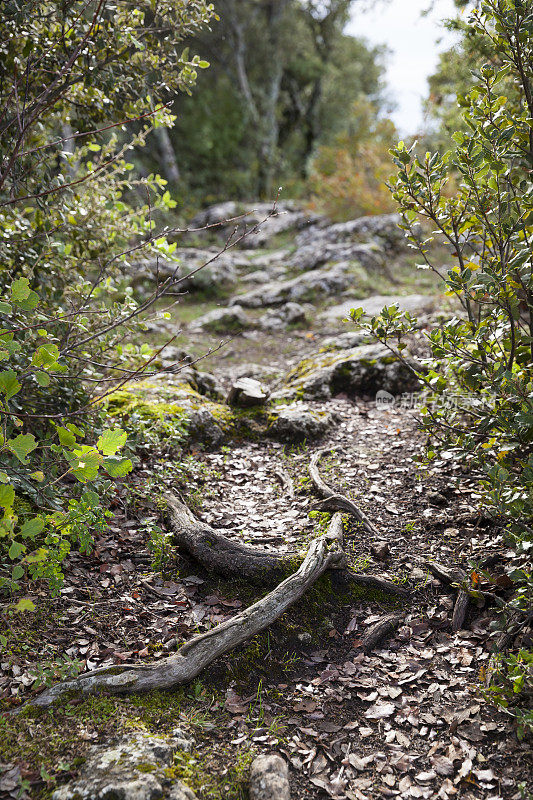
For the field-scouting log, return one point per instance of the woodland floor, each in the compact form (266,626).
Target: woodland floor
(408,720)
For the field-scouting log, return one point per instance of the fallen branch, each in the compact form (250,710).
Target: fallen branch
(453,576)
(380,631)
(230,558)
(195,655)
(333,501)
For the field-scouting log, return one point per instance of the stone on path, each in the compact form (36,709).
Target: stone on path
(297,423)
(269,778)
(246,392)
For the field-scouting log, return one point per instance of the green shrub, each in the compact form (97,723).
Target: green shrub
(479,378)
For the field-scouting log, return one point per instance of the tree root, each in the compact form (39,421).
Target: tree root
(195,655)
(333,501)
(217,553)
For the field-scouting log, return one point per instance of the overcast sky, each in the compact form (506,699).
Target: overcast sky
(414,42)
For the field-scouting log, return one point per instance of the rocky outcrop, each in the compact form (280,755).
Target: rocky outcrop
(134,769)
(309,286)
(276,319)
(315,254)
(382,229)
(224,320)
(414,303)
(222,271)
(297,423)
(288,215)
(360,371)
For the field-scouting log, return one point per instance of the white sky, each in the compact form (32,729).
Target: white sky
(414,42)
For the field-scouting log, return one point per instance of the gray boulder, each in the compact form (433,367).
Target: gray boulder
(288,215)
(309,286)
(297,422)
(133,769)
(276,319)
(345,341)
(360,371)
(219,270)
(224,320)
(202,426)
(414,303)
(382,229)
(315,254)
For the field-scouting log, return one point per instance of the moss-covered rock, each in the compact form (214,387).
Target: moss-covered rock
(298,423)
(135,769)
(360,371)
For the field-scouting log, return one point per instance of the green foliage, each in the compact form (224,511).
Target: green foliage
(283,80)
(93,78)
(479,379)
(511,688)
(63,668)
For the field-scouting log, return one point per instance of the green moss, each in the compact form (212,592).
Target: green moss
(145,767)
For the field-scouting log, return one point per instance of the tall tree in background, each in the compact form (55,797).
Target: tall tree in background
(283,79)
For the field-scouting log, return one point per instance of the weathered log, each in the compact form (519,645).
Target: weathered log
(444,574)
(332,500)
(380,631)
(195,655)
(269,778)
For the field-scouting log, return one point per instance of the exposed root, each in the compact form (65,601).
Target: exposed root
(453,576)
(195,655)
(217,553)
(333,501)
(286,481)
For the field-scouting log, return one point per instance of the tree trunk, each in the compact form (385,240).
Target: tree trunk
(168,156)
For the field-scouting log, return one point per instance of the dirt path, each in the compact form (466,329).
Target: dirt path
(406,720)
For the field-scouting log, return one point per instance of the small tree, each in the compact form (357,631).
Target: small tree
(483,356)
(73,75)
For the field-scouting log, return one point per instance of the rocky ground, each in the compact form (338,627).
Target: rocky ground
(409,718)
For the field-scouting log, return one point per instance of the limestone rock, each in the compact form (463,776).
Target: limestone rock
(414,303)
(381,229)
(246,392)
(360,371)
(224,320)
(315,254)
(278,318)
(217,272)
(297,423)
(203,427)
(269,778)
(309,286)
(345,341)
(133,769)
(288,216)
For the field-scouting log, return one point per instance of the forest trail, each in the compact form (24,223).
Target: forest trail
(406,719)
